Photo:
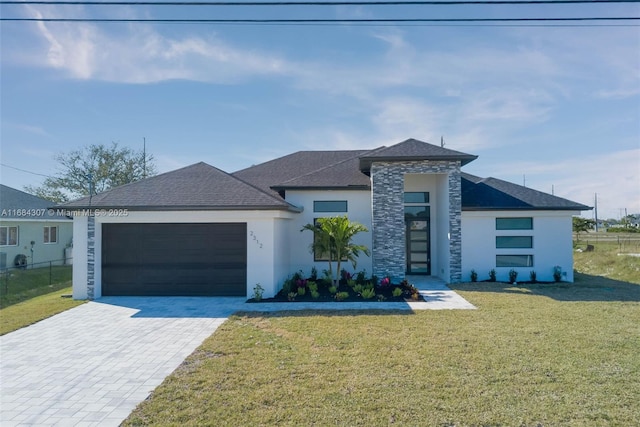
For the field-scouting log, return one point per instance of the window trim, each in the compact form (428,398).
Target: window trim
(8,234)
(498,227)
(47,235)
(316,206)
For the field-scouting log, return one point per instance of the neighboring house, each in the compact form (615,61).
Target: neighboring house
(201,231)
(30,232)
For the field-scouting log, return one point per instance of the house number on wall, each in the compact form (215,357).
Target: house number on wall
(255,239)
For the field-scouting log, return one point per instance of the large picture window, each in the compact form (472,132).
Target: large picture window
(514,260)
(8,236)
(330,206)
(514,223)
(514,242)
(50,234)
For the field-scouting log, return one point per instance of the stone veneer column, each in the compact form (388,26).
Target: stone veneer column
(91,256)
(389,240)
(455,226)
(388,253)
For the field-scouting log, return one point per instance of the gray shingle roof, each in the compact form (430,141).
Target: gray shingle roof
(199,186)
(412,149)
(496,194)
(307,169)
(13,202)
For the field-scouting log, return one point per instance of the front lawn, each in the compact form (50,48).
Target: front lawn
(28,296)
(535,355)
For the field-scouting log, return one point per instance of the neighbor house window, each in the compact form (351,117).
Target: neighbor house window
(330,206)
(514,260)
(511,242)
(8,236)
(50,234)
(514,223)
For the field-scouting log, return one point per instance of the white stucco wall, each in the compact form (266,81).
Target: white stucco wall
(265,260)
(552,244)
(359,209)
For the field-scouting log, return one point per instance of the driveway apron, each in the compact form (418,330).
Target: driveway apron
(93,364)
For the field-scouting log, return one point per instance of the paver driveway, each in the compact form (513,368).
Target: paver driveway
(93,364)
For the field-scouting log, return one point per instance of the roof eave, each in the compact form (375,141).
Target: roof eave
(526,208)
(287,207)
(366,162)
(322,187)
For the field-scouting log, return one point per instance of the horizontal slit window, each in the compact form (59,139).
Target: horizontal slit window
(514,223)
(514,260)
(514,242)
(330,206)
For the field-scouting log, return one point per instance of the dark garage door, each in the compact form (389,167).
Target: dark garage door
(174,259)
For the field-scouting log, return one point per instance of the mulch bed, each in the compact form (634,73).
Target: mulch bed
(383,294)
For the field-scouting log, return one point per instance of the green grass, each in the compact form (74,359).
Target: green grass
(35,309)
(540,355)
(28,296)
(21,285)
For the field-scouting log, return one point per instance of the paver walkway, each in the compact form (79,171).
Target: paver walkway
(91,365)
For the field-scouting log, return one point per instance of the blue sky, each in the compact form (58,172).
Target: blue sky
(557,105)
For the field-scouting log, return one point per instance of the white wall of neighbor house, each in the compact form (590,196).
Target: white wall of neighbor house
(266,260)
(552,244)
(358,209)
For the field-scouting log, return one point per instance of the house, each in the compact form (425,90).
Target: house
(201,231)
(32,234)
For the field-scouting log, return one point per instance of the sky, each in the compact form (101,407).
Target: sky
(556,108)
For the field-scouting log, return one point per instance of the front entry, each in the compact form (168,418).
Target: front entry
(418,246)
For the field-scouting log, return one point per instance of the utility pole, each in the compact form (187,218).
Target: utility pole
(552,191)
(524,180)
(595,210)
(144,157)
(442,141)
(90,176)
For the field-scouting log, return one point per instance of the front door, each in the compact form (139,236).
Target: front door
(418,247)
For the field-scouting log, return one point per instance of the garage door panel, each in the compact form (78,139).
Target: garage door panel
(174,259)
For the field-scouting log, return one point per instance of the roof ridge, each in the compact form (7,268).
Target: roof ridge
(328,166)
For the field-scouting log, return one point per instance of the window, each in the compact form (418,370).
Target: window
(330,206)
(514,223)
(416,212)
(50,234)
(514,260)
(416,197)
(514,242)
(8,236)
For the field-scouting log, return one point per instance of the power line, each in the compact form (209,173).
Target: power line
(310,3)
(316,21)
(26,171)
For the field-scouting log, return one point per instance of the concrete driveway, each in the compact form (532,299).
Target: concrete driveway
(93,364)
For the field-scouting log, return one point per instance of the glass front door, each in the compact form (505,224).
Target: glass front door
(418,247)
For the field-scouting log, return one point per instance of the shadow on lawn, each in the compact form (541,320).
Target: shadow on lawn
(585,288)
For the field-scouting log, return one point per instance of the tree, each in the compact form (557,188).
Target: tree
(97,166)
(333,236)
(582,225)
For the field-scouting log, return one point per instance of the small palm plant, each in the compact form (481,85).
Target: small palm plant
(333,236)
